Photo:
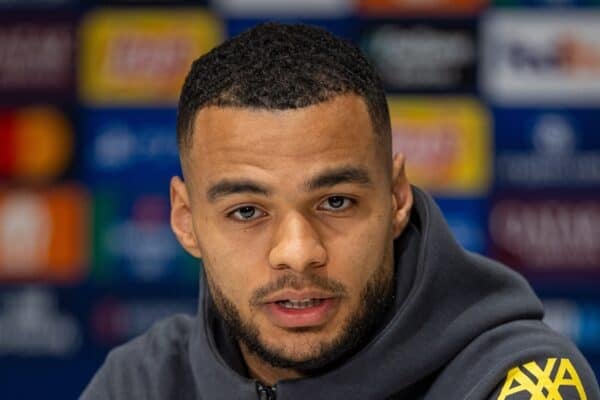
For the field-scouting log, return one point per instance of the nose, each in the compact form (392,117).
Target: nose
(297,245)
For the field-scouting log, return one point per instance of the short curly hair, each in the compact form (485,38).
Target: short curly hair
(277,67)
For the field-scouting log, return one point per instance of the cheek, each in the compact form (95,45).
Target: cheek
(356,255)
(354,259)
(228,242)
(227,272)
(235,266)
(234,258)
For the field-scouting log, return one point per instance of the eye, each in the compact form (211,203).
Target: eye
(246,213)
(337,203)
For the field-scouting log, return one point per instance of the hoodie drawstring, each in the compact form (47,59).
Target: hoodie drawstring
(266,392)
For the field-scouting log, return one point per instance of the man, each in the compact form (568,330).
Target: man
(326,275)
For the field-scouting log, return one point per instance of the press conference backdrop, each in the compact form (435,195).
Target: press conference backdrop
(497,106)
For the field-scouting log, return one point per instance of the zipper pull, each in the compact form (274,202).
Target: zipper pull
(266,392)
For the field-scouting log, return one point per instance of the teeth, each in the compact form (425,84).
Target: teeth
(300,304)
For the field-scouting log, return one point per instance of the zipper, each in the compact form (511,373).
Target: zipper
(266,392)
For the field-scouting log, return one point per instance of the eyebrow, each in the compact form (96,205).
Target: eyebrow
(336,176)
(326,179)
(228,187)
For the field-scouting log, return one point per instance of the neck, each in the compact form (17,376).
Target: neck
(263,371)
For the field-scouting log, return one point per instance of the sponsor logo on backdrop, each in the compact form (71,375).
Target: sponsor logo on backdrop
(542,57)
(37,144)
(297,9)
(149,257)
(435,7)
(118,146)
(445,141)
(32,325)
(121,145)
(545,235)
(35,56)
(135,57)
(115,320)
(553,157)
(43,235)
(13,3)
(135,242)
(545,3)
(141,57)
(423,57)
(26,218)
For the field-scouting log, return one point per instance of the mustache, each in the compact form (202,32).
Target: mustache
(298,282)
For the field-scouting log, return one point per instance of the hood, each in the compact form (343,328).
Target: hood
(445,298)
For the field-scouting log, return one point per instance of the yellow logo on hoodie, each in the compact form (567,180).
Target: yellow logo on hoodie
(542,383)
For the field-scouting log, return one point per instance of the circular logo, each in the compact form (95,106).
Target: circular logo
(553,134)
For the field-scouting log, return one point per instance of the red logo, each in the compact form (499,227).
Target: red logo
(547,234)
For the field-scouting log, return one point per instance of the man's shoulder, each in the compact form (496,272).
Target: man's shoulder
(519,360)
(154,363)
(166,338)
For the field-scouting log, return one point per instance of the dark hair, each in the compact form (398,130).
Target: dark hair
(276,66)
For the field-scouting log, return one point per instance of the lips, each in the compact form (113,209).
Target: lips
(300,304)
(292,295)
(300,309)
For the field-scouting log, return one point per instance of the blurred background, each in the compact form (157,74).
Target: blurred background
(496,104)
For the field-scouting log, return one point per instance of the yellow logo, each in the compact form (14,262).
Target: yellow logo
(141,57)
(539,384)
(446,142)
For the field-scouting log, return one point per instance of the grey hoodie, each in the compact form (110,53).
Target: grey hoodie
(462,327)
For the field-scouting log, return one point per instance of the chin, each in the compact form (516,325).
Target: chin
(310,336)
(301,344)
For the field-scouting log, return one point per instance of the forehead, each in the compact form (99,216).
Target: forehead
(229,140)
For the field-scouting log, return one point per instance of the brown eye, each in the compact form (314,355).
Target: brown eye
(337,203)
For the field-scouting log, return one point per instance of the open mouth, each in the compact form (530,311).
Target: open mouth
(300,304)
(301,311)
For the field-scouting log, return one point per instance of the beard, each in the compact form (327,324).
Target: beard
(375,300)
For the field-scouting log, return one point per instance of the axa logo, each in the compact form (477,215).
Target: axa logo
(548,382)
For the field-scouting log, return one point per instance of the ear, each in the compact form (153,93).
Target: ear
(402,196)
(181,217)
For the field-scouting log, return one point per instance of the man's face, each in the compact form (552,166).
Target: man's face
(293,213)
